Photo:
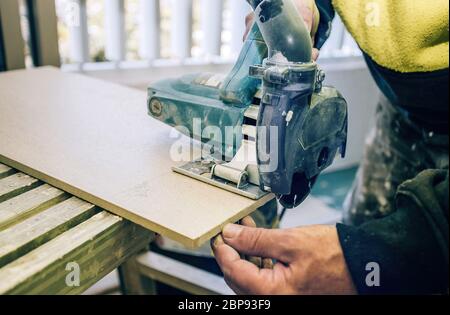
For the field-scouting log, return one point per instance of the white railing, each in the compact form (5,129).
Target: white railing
(219,26)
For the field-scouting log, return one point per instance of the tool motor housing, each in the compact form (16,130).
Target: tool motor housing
(301,128)
(301,125)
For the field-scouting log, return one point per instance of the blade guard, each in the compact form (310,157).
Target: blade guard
(299,131)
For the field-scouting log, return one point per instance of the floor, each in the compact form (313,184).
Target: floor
(332,188)
(325,205)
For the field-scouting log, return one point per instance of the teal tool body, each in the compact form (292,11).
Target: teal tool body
(287,128)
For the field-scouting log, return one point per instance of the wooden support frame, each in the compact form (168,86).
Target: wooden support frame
(181,276)
(89,244)
(132,282)
(12,48)
(48,231)
(44,32)
(15,185)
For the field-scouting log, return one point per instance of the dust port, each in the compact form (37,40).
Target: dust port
(156,107)
(323,157)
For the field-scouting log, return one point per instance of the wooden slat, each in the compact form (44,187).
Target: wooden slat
(13,43)
(97,245)
(4,168)
(182,276)
(36,230)
(16,184)
(29,203)
(5,171)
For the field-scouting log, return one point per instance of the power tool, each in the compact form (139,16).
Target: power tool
(269,126)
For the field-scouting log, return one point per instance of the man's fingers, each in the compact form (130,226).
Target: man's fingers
(257,261)
(258,242)
(242,276)
(315,54)
(266,263)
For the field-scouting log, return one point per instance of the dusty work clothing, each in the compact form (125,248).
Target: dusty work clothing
(397,215)
(396,150)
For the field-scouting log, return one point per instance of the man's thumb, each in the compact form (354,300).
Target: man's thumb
(257,242)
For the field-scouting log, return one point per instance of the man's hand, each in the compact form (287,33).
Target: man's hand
(309,260)
(310,14)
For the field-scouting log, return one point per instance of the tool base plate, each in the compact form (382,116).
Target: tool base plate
(201,170)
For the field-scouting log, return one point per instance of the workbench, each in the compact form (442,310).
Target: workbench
(85,182)
(47,234)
